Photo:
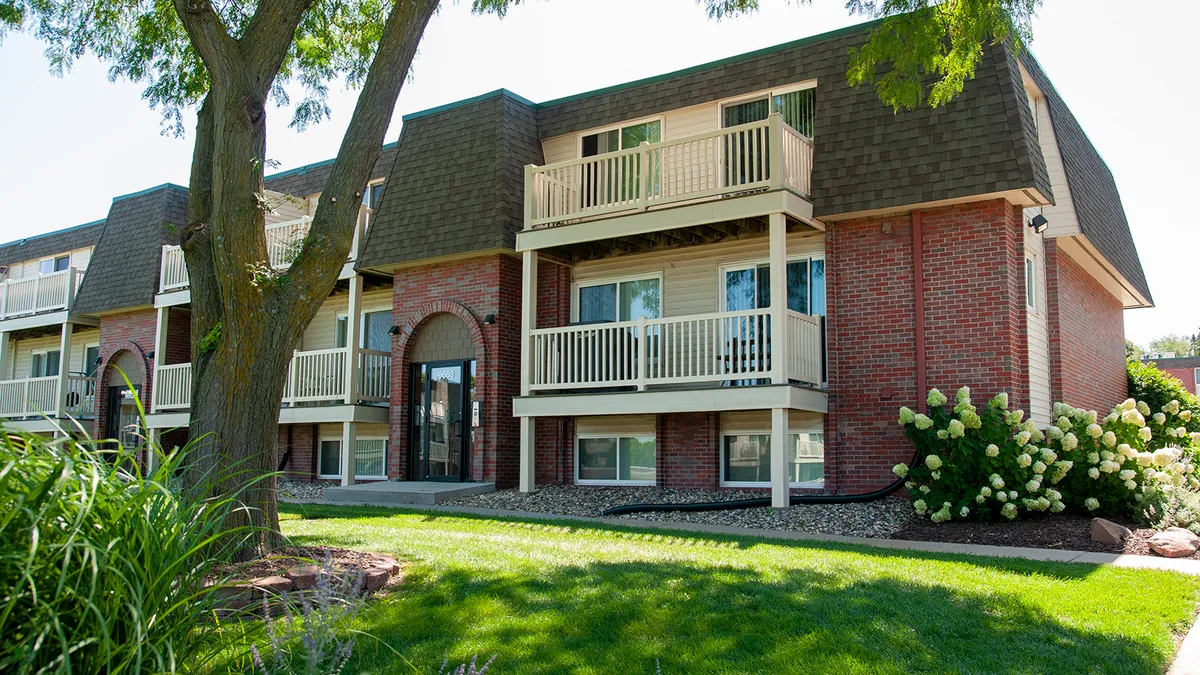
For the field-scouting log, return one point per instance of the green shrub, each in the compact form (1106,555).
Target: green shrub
(1157,388)
(980,465)
(102,568)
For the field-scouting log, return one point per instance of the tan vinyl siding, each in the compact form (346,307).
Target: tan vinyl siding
(690,275)
(334,430)
(752,421)
(698,119)
(616,425)
(21,354)
(560,148)
(444,337)
(322,332)
(285,208)
(1062,213)
(1038,332)
(29,268)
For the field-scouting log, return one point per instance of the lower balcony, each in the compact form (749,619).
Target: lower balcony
(36,397)
(314,377)
(718,349)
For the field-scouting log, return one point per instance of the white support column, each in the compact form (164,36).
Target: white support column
(153,448)
(160,351)
(353,323)
(64,368)
(780,483)
(527,480)
(5,355)
(778,272)
(349,452)
(529,291)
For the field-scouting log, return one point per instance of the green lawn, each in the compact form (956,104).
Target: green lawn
(571,598)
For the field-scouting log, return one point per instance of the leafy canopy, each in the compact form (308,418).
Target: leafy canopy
(921,51)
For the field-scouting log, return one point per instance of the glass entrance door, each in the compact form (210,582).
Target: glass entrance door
(442,395)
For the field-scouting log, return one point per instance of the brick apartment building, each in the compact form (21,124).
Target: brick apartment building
(727,276)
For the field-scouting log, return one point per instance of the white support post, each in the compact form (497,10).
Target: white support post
(644,178)
(529,291)
(5,346)
(527,479)
(69,288)
(153,448)
(642,353)
(349,452)
(360,230)
(64,368)
(353,321)
(160,351)
(775,162)
(780,480)
(778,336)
(529,196)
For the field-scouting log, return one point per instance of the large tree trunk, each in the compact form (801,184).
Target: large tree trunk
(246,318)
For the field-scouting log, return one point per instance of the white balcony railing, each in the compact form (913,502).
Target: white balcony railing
(38,396)
(718,347)
(313,376)
(43,293)
(758,156)
(284,241)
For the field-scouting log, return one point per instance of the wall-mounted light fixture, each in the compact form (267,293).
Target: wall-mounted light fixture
(489,319)
(150,354)
(394,331)
(1039,223)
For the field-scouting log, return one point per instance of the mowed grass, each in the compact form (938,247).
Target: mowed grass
(558,597)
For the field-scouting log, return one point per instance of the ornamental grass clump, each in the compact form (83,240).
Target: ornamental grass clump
(989,464)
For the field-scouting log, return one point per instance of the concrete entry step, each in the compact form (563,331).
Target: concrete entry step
(404,492)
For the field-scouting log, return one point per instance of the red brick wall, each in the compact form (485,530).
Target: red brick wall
(689,450)
(554,450)
(1087,336)
(179,341)
(471,289)
(1185,375)
(302,464)
(974,327)
(127,331)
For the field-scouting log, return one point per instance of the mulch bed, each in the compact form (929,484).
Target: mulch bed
(340,560)
(1060,531)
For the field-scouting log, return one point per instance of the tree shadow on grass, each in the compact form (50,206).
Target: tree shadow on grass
(620,617)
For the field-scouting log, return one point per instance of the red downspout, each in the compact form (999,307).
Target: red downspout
(919,302)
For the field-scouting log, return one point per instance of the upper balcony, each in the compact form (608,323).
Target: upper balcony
(284,240)
(671,184)
(40,294)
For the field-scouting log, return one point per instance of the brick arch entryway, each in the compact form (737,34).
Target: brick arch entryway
(122,384)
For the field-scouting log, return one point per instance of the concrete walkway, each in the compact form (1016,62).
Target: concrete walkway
(395,493)
(1187,659)
(1191,567)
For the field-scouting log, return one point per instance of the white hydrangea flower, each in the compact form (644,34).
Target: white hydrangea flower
(1165,456)
(1195,436)
(1173,433)
(1094,430)
(1127,404)
(942,515)
(1014,418)
(1091,503)
(1054,433)
(1024,460)
(1039,467)
(1185,415)
(1002,496)
(999,401)
(1130,485)
(1060,409)
(1159,418)
(1111,417)
(1057,507)
(1172,407)
(1093,458)
(979,499)
(910,485)
(956,429)
(936,475)
(922,422)
(1109,466)
(907,416)
(1048,455)
(1070,442)
(1094,473)
(970,419)
(1053,495)
(920,506)
(1021,438)
(900,470)
(1143,408)
(1125,449)
(1109,439)
(985,491)
(1133,417)
(1012,495)
(1090,417)
(992,450)
(1107,456)
(924,489)
(1181,432)
(963,395)
(935,398)
(1009,511)
(963,512)
(943,434)
(1145,459)
(933,462)
(996,481)
(1063,423)
(1127,474)
(1038,436)
(1144,434)
(1033,486)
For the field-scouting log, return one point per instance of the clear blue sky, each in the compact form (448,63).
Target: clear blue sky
(1125,68)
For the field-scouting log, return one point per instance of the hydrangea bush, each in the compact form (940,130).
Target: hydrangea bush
(993,463)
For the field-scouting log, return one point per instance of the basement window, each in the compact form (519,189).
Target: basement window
(746,459)
(370,458)
(615,460)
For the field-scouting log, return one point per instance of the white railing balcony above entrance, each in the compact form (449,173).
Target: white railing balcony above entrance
(42,293)
(765,155)
(721,347)
(38,396)
(284,241)
(313,376)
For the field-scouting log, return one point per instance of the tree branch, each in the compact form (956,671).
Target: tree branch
(208,35)
(332,230)
(269,36)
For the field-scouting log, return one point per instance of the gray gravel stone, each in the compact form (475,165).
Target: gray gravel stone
(881,518)
(295,489)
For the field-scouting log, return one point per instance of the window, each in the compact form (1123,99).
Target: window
(374,331)
(616,459)
(369,458)
(621,138)
(1197,374)
(798,109)
(372,195)
(51,265)
(91,360)
(1031,283)
(749,286)
(44,364)
(624,300)
(746,459)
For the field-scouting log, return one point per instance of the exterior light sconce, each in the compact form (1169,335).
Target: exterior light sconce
(489,319)
(1039,223)
(394,331)
(150,354)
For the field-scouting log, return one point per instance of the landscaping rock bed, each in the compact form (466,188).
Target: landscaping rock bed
(874,519)
(296,571)
(295,489)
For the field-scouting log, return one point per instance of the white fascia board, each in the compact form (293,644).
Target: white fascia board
(718,399)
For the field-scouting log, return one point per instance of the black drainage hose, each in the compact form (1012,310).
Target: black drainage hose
(759,502)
